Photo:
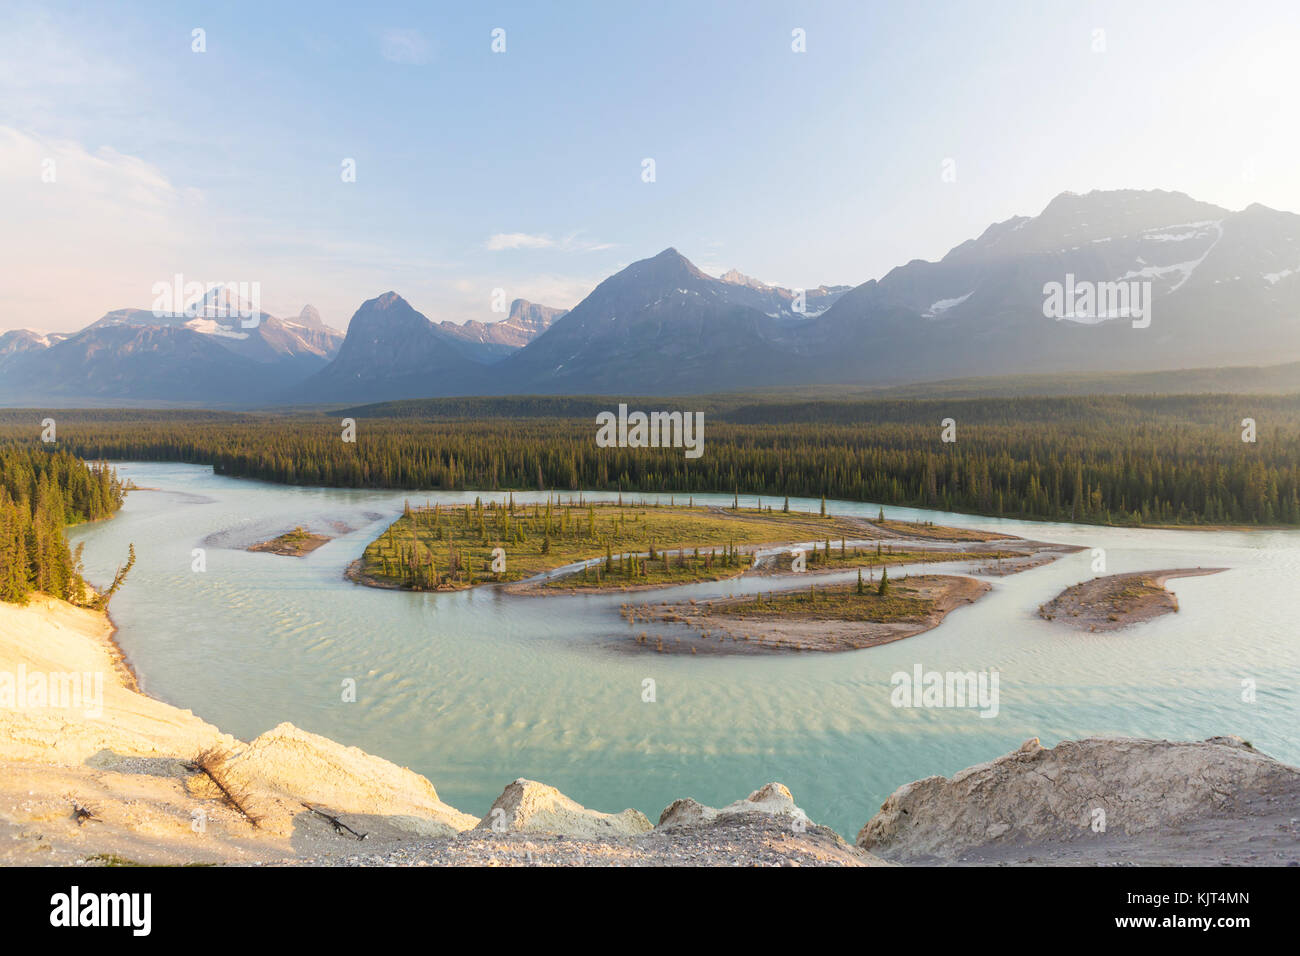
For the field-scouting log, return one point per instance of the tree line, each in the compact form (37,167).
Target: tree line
(42,492)
(1144,460)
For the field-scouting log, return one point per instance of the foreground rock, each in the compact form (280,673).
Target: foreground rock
(287,772)
(527,806)
(773,799)
(1099,800)
(546,828)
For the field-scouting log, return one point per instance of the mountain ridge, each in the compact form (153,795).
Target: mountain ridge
(1212,287)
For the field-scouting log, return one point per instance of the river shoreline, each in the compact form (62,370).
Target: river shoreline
(121,785)
(189,648)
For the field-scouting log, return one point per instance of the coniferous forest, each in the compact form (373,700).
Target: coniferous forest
(41,493)
(1108,460)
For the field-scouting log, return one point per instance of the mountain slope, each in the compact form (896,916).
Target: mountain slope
(1220,295)
(306,342)
(17,345)
(135,363)
(659,326)
(392,351)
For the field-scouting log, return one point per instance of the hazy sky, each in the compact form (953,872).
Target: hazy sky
(522,170)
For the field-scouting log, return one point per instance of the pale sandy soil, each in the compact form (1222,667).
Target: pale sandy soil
(124,757)
(1117,600)
(122,763)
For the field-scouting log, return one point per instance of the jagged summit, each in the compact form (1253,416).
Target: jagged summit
(736,277)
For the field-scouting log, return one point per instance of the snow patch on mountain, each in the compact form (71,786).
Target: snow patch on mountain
(1185,269)
(213,327)
(943,305)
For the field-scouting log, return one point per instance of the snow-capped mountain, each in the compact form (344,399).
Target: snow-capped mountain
(201,355)
(1121,280)
(1215,282)
(777,302)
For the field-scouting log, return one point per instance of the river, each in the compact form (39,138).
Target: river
(476,688)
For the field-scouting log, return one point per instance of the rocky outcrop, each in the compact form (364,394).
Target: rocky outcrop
(772,799)
(1149,797)
(527,806)
(285,770)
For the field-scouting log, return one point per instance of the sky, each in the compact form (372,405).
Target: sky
(128,156)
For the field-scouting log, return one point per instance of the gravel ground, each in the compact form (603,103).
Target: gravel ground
(753,840)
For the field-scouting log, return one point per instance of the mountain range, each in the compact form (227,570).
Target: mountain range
(1219,288)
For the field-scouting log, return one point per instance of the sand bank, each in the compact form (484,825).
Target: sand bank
(731,625)
(1117,600)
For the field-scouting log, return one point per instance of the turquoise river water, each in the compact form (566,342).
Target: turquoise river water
(477,688)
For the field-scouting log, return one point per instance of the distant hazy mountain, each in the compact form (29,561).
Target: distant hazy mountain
(491,341)
(310,318)
(17,343)
(661,325)
(392,351)
(134,355)
(305,342)
(169,364)
(1224,290)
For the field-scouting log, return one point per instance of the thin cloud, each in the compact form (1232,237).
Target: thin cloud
(518,240)
(502,241)
(403,46)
